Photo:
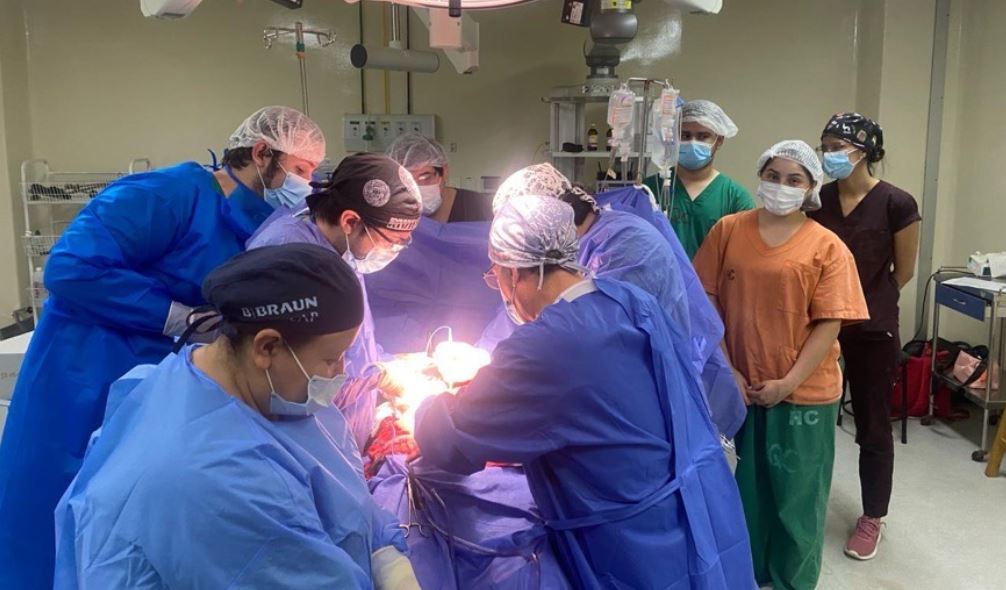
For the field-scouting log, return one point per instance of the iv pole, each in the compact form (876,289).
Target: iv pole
(325,38)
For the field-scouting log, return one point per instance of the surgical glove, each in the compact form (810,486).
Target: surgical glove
(177,320)
(392,570)
(402,373)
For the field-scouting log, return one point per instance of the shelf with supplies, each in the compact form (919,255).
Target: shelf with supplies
(51,199)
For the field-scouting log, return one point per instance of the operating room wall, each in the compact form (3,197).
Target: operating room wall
(15,146)
(778,67)
(973,212)
(106,85)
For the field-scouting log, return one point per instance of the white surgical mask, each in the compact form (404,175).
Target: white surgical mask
(375,260)
(781,200)
(432,198)
(321,393)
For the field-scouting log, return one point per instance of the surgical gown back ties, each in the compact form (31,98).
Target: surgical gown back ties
(598,401)
(145,241)
(358,398)
(186,486)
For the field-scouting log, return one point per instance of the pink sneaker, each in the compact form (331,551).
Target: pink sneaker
(865,539)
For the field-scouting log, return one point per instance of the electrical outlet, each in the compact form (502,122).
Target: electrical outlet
(375,133)
(454,148)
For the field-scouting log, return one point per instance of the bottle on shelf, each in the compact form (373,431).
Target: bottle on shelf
(38,291)
(592,136)
(609,141)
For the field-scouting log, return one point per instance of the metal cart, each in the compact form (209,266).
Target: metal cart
(984,305)
(51,200)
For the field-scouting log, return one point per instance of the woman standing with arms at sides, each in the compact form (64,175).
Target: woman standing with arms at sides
(879,223)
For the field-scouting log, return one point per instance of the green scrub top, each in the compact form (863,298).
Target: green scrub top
(692,220)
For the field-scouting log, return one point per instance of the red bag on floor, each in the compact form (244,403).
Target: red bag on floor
(920,378)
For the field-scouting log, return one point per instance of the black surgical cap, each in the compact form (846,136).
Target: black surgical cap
(380,190)
(298,289)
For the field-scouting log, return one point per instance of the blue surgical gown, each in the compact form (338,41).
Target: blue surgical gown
(598,400)
(147,240)
(186,486)
(622,245)
(358,398)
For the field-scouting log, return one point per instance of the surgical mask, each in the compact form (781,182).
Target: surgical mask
(375,260)
(291,194)
(511,309)
(781,200)
(695,155)
(432,198)
(321,393)
(837,165)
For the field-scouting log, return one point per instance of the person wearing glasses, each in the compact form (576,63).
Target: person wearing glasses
(426,160)
(879,223)
(595,395)
(623,246)
(365,212)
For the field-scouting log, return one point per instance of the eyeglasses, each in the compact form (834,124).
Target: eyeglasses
(826,149)
(491,280)
(396,247)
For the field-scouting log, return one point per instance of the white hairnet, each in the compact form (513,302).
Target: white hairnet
(534,231)
(412,149)
(282,129)
(708,114)
(538,179)
(801,153)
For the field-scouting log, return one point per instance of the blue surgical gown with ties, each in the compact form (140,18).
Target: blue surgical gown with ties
(186,486)
(358,398)
(623,245)
(598,400)
(145,241)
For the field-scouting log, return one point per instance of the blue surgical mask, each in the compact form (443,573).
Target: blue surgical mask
(291,194)
(837,165)
(695,155)
(375,260)
(511,309)
(321,393)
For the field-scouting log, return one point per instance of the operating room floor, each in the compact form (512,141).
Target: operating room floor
(947,522)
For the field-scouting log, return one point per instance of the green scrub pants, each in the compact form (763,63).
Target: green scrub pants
(785,457)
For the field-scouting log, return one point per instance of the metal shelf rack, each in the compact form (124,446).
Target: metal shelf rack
(51,200)
(568,107)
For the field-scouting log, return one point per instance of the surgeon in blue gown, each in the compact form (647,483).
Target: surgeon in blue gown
(622,245)
(224,466)
(122,280)
(366,213)
(595,394)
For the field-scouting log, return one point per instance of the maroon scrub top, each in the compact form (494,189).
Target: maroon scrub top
(869,231)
